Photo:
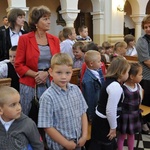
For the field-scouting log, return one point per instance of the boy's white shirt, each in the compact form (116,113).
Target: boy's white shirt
(66,47)
(6,124)
(96,74)
(4,61)
(4,68)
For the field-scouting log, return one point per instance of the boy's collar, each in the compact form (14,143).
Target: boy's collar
(4,122)
(59,89)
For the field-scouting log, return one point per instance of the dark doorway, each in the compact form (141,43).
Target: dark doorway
(84,18)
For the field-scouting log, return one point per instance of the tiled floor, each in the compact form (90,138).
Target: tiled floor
(144,143)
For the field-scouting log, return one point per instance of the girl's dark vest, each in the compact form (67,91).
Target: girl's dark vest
(104,97)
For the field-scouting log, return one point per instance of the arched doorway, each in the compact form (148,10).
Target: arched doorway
(129,25)
(84,17)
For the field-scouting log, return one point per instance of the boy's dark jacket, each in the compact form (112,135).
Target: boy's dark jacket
(21,133)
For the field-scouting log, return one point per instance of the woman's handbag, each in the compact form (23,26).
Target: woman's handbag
(33,114)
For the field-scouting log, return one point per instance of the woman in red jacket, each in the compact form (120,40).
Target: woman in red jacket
(34,53)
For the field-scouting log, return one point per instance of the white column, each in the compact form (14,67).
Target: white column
(17,3)
(98,26)
(69,16)
(137,19)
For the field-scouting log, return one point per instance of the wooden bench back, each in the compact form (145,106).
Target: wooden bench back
(5,82)
(131,58)
(75,76)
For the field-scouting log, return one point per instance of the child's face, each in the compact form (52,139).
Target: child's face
(102,51)
(96,64)
(84,33)
(73,36)
(107,51)
(132,43)
(78,53)
(11,109)
(12,55)
(147,28)
(121,51)
(61,75)
(138,77)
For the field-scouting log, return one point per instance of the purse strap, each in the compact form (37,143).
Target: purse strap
(35,90)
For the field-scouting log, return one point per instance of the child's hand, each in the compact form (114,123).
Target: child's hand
(112,134)
(81,142)
(71,145)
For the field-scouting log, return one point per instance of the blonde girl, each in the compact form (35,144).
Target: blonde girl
(107,111)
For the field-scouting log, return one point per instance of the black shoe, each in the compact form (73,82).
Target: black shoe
(146,132)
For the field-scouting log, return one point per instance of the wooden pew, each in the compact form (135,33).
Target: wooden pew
(5,82)
(75,76)
(131,58)
(146,110)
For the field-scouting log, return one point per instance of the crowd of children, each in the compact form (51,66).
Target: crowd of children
(107,98)
(130,118)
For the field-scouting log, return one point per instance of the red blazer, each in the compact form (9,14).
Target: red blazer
(28,54)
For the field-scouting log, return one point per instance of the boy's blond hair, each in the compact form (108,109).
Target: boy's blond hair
(79,45)
(129,38)
(90,56)
(13,48)
(61,59)
(5,93)
(106,45)
(81,28)
(67,31)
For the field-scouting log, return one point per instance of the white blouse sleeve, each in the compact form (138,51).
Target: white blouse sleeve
(114,91)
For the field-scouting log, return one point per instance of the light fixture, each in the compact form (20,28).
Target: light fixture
(120,6)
